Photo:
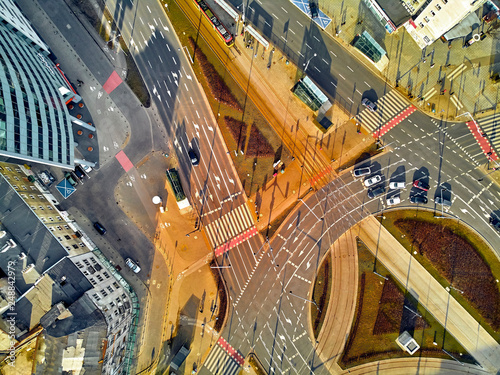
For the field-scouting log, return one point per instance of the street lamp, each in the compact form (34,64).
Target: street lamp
(308,61)
(307,300)
(319,219)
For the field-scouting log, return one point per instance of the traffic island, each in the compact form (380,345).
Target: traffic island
(383,311)
(456,256)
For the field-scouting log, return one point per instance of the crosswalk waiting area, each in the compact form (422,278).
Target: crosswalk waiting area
(224,359)
(490,125)
(234,224)
(391,110)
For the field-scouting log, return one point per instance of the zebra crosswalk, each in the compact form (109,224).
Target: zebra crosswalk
(230,225)
(388,107)
(490,125)
(223,359)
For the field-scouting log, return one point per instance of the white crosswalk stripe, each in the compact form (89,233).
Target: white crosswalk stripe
(455,73)
(229,225)
(430,93)
(491,126)
(220,363)
(388,107)
(456,102)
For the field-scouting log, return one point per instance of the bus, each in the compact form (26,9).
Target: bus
(222,31)
(175,183)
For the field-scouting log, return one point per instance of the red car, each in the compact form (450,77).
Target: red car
(421,185)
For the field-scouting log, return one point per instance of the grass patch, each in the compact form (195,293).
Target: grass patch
(254,172)
(255,144)
(219,320)
(256,365)
(321,294)
(367,343)
(459,256)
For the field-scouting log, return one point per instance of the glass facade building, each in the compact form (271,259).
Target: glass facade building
(35,125)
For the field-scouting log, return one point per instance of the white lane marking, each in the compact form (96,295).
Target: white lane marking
(334,85)
(333,54)
(160,59)
(148,9)
(284,10)
(352,101)
(293,32)
(326,62)
(348,67)
(300,24)
(275,16)
(314,36)
(175,62)
(341,76)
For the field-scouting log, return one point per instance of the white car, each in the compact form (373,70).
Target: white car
(392,201)
(132,265)
(373,180)
(396,185)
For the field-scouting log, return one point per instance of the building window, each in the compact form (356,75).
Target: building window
(115,284)
(106,275)
(438,7)
(93,281)
(95,295)
(81,244)
(426,19)
(41,208)
(432,13)
(110,289)
(421,25)
(79,265)
(75,246)
(103,292)
(99,277)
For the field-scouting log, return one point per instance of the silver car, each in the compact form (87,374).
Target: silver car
(132,265)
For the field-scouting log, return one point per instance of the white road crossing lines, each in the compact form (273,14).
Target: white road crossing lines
(456,102)
(223,359)
(228,226)
(303,279)
(430,93)
(388,107)
(490,125)
(454,74)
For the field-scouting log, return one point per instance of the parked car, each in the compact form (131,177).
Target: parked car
(98,227)
(442,201)
(373,180)
(396,185)
(394,200)
(362,172)
(132,265)
(419,199)
(369,104)
(314,9)
(495,223)
(490,16)
(193,157)
(419,184)
(72,180)
(79,173)
(372,193)
(86,168)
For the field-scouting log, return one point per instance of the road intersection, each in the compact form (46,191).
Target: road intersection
(265,317)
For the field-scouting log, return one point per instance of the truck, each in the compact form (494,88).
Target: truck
(179,358)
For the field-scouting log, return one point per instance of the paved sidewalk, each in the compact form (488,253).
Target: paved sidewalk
(457,321)
(419,71)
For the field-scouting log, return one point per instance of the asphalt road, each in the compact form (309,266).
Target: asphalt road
(340,76)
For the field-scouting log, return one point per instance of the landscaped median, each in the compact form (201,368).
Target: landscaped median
(457,257)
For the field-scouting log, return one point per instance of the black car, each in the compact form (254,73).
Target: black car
(442,201)
(314,9)
(495,223)
(375,192)
(362,172)
(418,199)
(193,157)
(79,172)
(98,227)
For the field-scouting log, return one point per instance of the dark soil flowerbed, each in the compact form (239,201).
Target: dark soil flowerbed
(258,145)
(459,263)
(218,87)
